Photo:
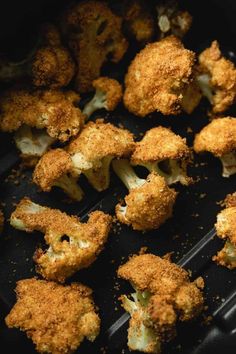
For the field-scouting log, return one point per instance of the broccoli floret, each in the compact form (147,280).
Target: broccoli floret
(48,65)
(72,245)
(165,153)
(108,94)
(54,169)
(94,149)
(164,294)
(44,308)
(32,143)
(219,138)
(94,35)
(149,202)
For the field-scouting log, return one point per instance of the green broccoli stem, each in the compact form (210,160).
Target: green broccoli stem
(98,102)
(126,173)
(70,187)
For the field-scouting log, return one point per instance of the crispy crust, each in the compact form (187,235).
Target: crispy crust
(64,257)
(148,206)
(223,77)
(230,200)
(99,139)
(218,137)
(159,144)
(113,90)
(157,77)
(226,224)
(92,32)
(60,322)
(54,164)
(222,258)
(50,109)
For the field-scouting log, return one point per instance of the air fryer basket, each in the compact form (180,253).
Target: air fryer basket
(194,213)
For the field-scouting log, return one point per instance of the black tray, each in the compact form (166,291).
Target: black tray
(194,213)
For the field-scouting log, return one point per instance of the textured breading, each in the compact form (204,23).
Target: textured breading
(51,109)
(218,137)
(57,318)
(157,78)
(226,257)
(159,144)
(164,294)
(93,33)
(53,165)
(72,245)
(230,200)
(52,64)
(112,90)
(148,206)
(222,75)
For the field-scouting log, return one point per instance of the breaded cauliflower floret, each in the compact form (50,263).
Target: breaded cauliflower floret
(158,77)
(53,110)
(72,245)
(171,20)
(108,94)
(94,35)
(226,229)
(217,78)
(138,20)
(165,153)
(94,149)
(49,65)
(149,202)
(219,138)
(54,169)
(163,295)
(57,318)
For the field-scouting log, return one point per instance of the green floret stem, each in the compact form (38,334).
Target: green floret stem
(126,173)
(69,185)
(98,102)
(229,164)
(205,86)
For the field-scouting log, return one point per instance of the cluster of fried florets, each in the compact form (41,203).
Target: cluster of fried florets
(163,295)
(226,229)
(72,245)
(219,138)
(93,34)
(157,78)
(57,318)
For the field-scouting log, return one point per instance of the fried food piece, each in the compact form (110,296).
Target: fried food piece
(158,77)
(163,295)
(226,229)
(149,202)
(219,138)
(165,153)
(54,110)
(93,33)
(48,65)
(72,245)
(108,95)
(54,169)
(94,149)
(172,20)
(57,318)
(217,78)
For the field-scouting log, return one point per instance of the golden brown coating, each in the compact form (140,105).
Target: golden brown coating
(218,137)
(164,295)
(98,140)
(149,205)
(72,245)
(112,90)
(157,78)
(93,33)
(226,257)
(230,200)
(159,144)
(51,109)
(57,318)
(222,75)
(53,165)
(52,65)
